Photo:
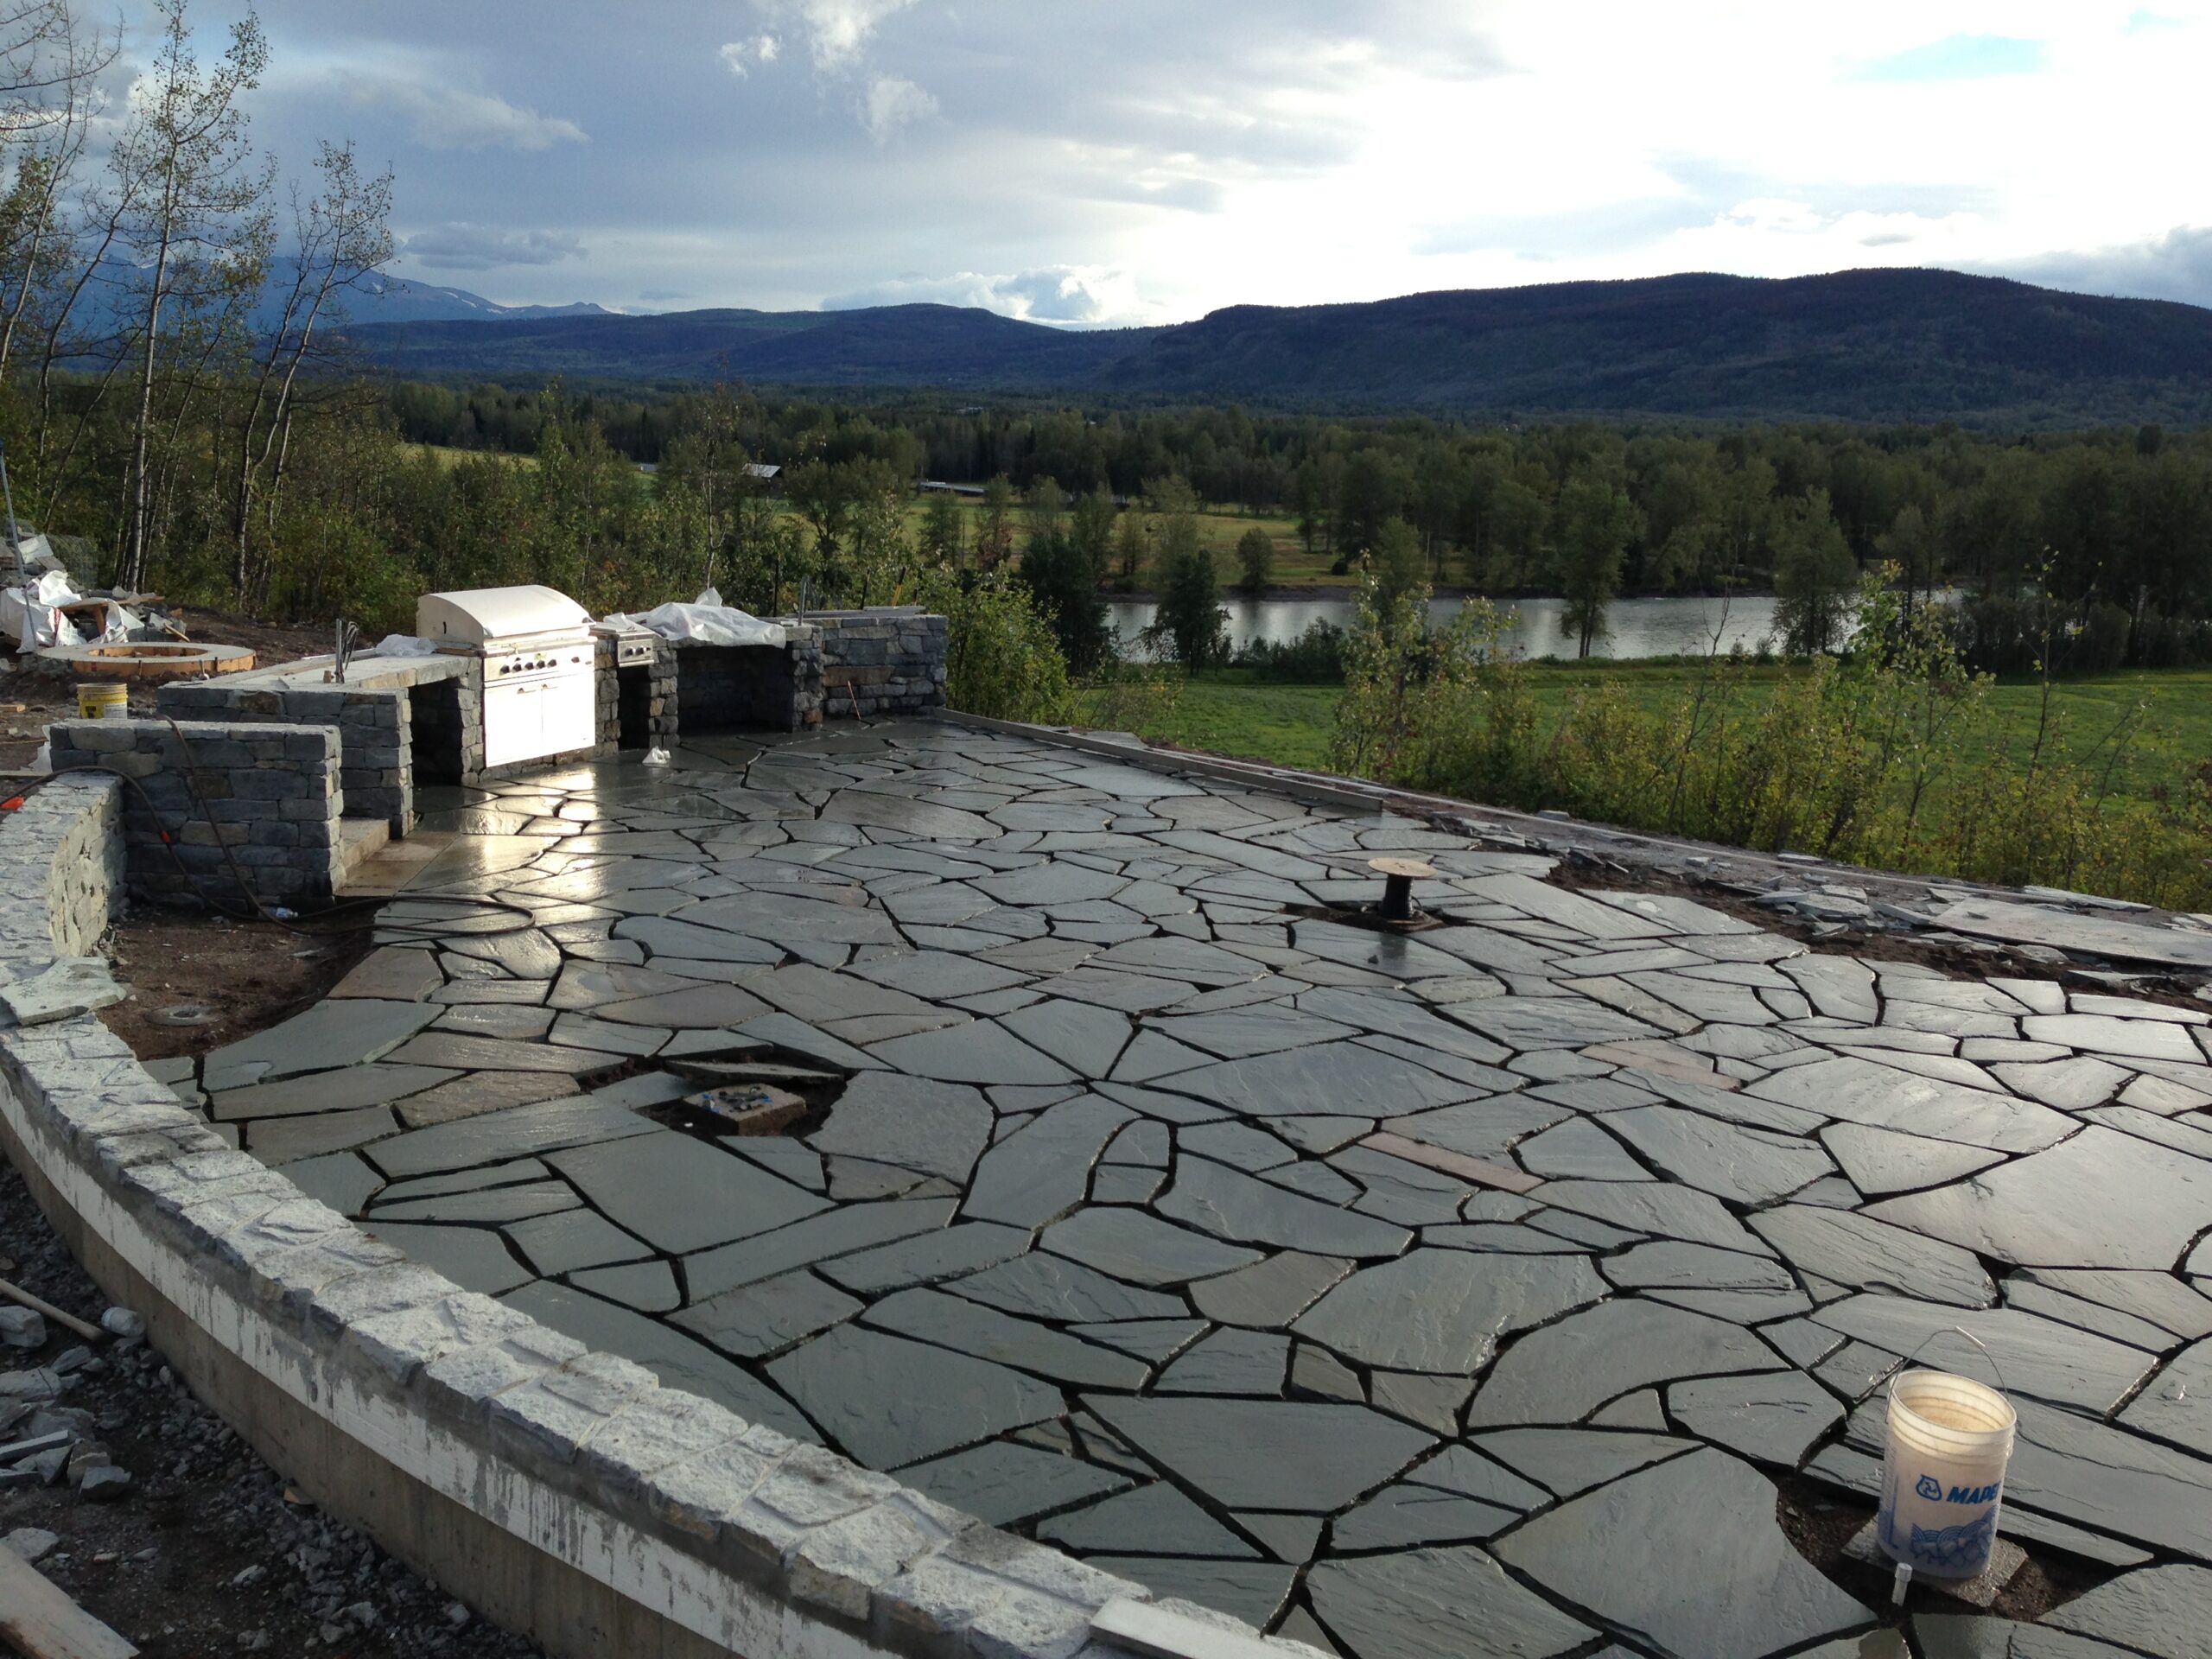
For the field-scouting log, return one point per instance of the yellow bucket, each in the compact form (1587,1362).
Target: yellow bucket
(103,702)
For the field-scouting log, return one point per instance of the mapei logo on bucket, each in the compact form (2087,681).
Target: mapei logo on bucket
(1932,1488)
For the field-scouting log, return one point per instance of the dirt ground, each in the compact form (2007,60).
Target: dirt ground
(210,1552)
(198,981)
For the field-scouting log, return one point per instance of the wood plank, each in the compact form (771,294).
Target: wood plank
(41,1622)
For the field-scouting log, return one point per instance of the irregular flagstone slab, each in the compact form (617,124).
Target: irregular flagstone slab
(2099,936)
(572,1239)
(346,1031)
(1327,1079)
(768,1317)
(2111,1481)
(970,1327)
(1002,1483)
(1480,1128)
(2100,1033)
(1231,1361)
(1400,1517)
(1443,1310)
(1392,1014)
(1882,1161)
(1685,1557)
(1267,1028)
(1865,1091)
(1586,916)
(679,1195)
(889,1402)
(1305,1458)
(1438,1604)
(477,1092)
(2034,1357)
(1672,1265)
(927,1258)
(491,1204)
(1524,1023)
(1231,1204)
(1869,1253)
(2177,1404)
(374,1084)
(1570,1460)
(2070,1083)
(339,1179)
(1772,1419)
(2156,1298)
(1952,1636)
(464,1053)
(2157,1610)
(888,812)
(1842,988)
(1252,1591)
(648,1286)
(1041,1172)
(685,941)
(472,1257)
(1081,1035)
(842,1231)
(695,1007)
(392,973)
(2103,1199)
(1461,1468)
(517,1131)
(939,1129)
(1748,1166)
(1653,1207)
(1047,1288)
(675,1359)
(1561,1373)
(1133,1245)
(770,914)
(1578,1150)
(1155,1519)
(980,1051)
(1269,1293)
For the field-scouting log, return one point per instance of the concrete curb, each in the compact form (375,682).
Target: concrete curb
(564,1492)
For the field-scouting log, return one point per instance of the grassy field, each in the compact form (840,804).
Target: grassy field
(1232,713)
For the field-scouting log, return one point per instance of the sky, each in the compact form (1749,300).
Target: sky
(1149,161)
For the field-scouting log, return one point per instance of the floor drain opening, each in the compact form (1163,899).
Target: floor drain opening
(755,1092)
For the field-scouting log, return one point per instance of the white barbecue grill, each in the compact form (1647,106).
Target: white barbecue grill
(539,666)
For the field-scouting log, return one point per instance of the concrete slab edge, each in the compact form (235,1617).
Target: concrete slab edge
(563,1490)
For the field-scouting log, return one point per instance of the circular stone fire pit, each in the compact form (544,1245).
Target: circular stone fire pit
(147,662)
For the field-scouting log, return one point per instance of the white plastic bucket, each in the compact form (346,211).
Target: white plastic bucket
(1944,1472)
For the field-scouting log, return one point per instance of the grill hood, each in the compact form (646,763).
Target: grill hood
(476,617)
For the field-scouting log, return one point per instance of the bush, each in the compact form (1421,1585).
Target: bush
(1316,656)
(1001,659)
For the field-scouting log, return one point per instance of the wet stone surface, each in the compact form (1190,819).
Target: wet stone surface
(1414,1296)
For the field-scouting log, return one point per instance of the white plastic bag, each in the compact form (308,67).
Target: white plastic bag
(401,645)
(707,621)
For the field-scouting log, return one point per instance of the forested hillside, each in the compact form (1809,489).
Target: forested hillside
(1876,345)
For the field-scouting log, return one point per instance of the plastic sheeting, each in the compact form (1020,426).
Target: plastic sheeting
(401,645)
(29,615)
(705,621)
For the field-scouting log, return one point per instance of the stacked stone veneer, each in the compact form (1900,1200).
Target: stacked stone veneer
(642,696)
(751,688)
(373,720)
(564,1493)
(216,802)
(61,868)
(887,661)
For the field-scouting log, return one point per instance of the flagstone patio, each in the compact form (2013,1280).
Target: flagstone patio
(1457,1293)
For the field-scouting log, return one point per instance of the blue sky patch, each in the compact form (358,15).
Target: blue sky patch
(1958,57)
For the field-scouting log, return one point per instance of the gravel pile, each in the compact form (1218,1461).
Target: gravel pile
(140,1502)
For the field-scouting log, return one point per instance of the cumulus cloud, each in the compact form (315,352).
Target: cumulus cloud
(891,102)
(457,245)
(447,118)
(1069,294)
(738,56)
(836,30)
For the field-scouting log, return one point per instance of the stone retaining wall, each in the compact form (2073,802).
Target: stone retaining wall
(751,688)
(251,800)
(563,1493)
(65,855)
(641,696)
(890,660)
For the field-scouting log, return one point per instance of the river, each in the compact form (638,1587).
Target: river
(1634,628)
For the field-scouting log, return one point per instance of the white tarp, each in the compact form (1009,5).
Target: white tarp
(28,614)
(402,644)
(705,621)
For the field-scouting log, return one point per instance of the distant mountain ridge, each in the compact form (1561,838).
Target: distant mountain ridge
(1862,345)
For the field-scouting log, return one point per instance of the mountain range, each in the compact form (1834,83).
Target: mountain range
(1872,346)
